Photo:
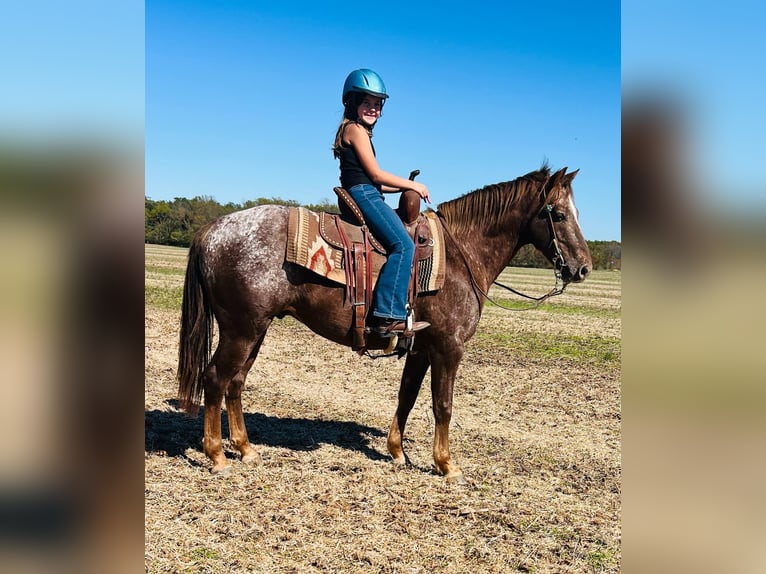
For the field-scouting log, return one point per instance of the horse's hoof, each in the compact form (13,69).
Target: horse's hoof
(458,479)
(252,457)
(400,462)
(221,470)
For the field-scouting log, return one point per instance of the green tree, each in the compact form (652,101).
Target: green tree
(158,222)
(328,205)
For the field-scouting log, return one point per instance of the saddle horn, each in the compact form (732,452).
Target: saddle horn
(409,203)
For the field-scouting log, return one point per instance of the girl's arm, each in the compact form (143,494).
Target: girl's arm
(358,138)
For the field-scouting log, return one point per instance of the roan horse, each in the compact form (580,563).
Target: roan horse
(237,273)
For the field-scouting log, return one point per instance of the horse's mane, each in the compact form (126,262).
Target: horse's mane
(487,207)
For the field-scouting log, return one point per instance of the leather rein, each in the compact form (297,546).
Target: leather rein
(558,264)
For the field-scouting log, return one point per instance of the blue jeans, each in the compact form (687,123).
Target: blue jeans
(390,297)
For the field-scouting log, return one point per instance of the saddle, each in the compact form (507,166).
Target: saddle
(408,211)
(357,243)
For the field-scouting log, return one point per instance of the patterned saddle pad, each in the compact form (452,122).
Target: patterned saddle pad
(311,245)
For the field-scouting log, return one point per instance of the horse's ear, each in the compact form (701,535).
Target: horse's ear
(557,177)
(571,175)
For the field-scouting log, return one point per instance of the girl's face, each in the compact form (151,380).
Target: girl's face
(368,111)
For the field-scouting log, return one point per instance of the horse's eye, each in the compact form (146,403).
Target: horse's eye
(557,216)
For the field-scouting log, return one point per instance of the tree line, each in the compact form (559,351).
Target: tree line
(175,223)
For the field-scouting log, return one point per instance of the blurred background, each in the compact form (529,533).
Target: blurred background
(693,222)
(71,296)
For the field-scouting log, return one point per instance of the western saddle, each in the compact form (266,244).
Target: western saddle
(357,253)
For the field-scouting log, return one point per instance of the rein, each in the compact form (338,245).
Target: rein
(558,264)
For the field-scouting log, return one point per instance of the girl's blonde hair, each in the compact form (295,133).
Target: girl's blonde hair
(349,117)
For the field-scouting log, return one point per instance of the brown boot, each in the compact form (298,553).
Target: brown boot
(395,327)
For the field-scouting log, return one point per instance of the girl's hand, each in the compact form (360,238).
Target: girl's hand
(422,191)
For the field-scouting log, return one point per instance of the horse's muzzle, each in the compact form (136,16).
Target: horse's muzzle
(574,274)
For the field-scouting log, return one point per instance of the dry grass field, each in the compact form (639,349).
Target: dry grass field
(536,429)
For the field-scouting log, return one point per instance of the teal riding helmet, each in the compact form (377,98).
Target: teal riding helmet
(364,81)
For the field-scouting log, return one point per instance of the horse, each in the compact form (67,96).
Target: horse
(237,273)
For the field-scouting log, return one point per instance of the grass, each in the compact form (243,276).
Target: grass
(602,559)
(204,554)
(165,299)
(161,270)
(595,350)
(551,308)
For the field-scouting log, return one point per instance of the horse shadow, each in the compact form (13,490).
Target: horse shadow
(173,432)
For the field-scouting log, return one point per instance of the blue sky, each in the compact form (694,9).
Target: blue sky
(243,98)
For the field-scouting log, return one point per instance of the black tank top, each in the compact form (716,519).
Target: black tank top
(351,171)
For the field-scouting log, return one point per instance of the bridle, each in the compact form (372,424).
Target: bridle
(558,264)
(558,260)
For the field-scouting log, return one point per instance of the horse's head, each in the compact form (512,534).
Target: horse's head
(555,230)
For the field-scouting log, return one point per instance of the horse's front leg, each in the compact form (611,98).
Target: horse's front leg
(415,368)
(443,370)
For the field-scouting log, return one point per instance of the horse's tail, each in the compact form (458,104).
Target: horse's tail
(196,342)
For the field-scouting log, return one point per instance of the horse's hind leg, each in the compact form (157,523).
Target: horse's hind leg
(237,429)
(229,359)
(415,369)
